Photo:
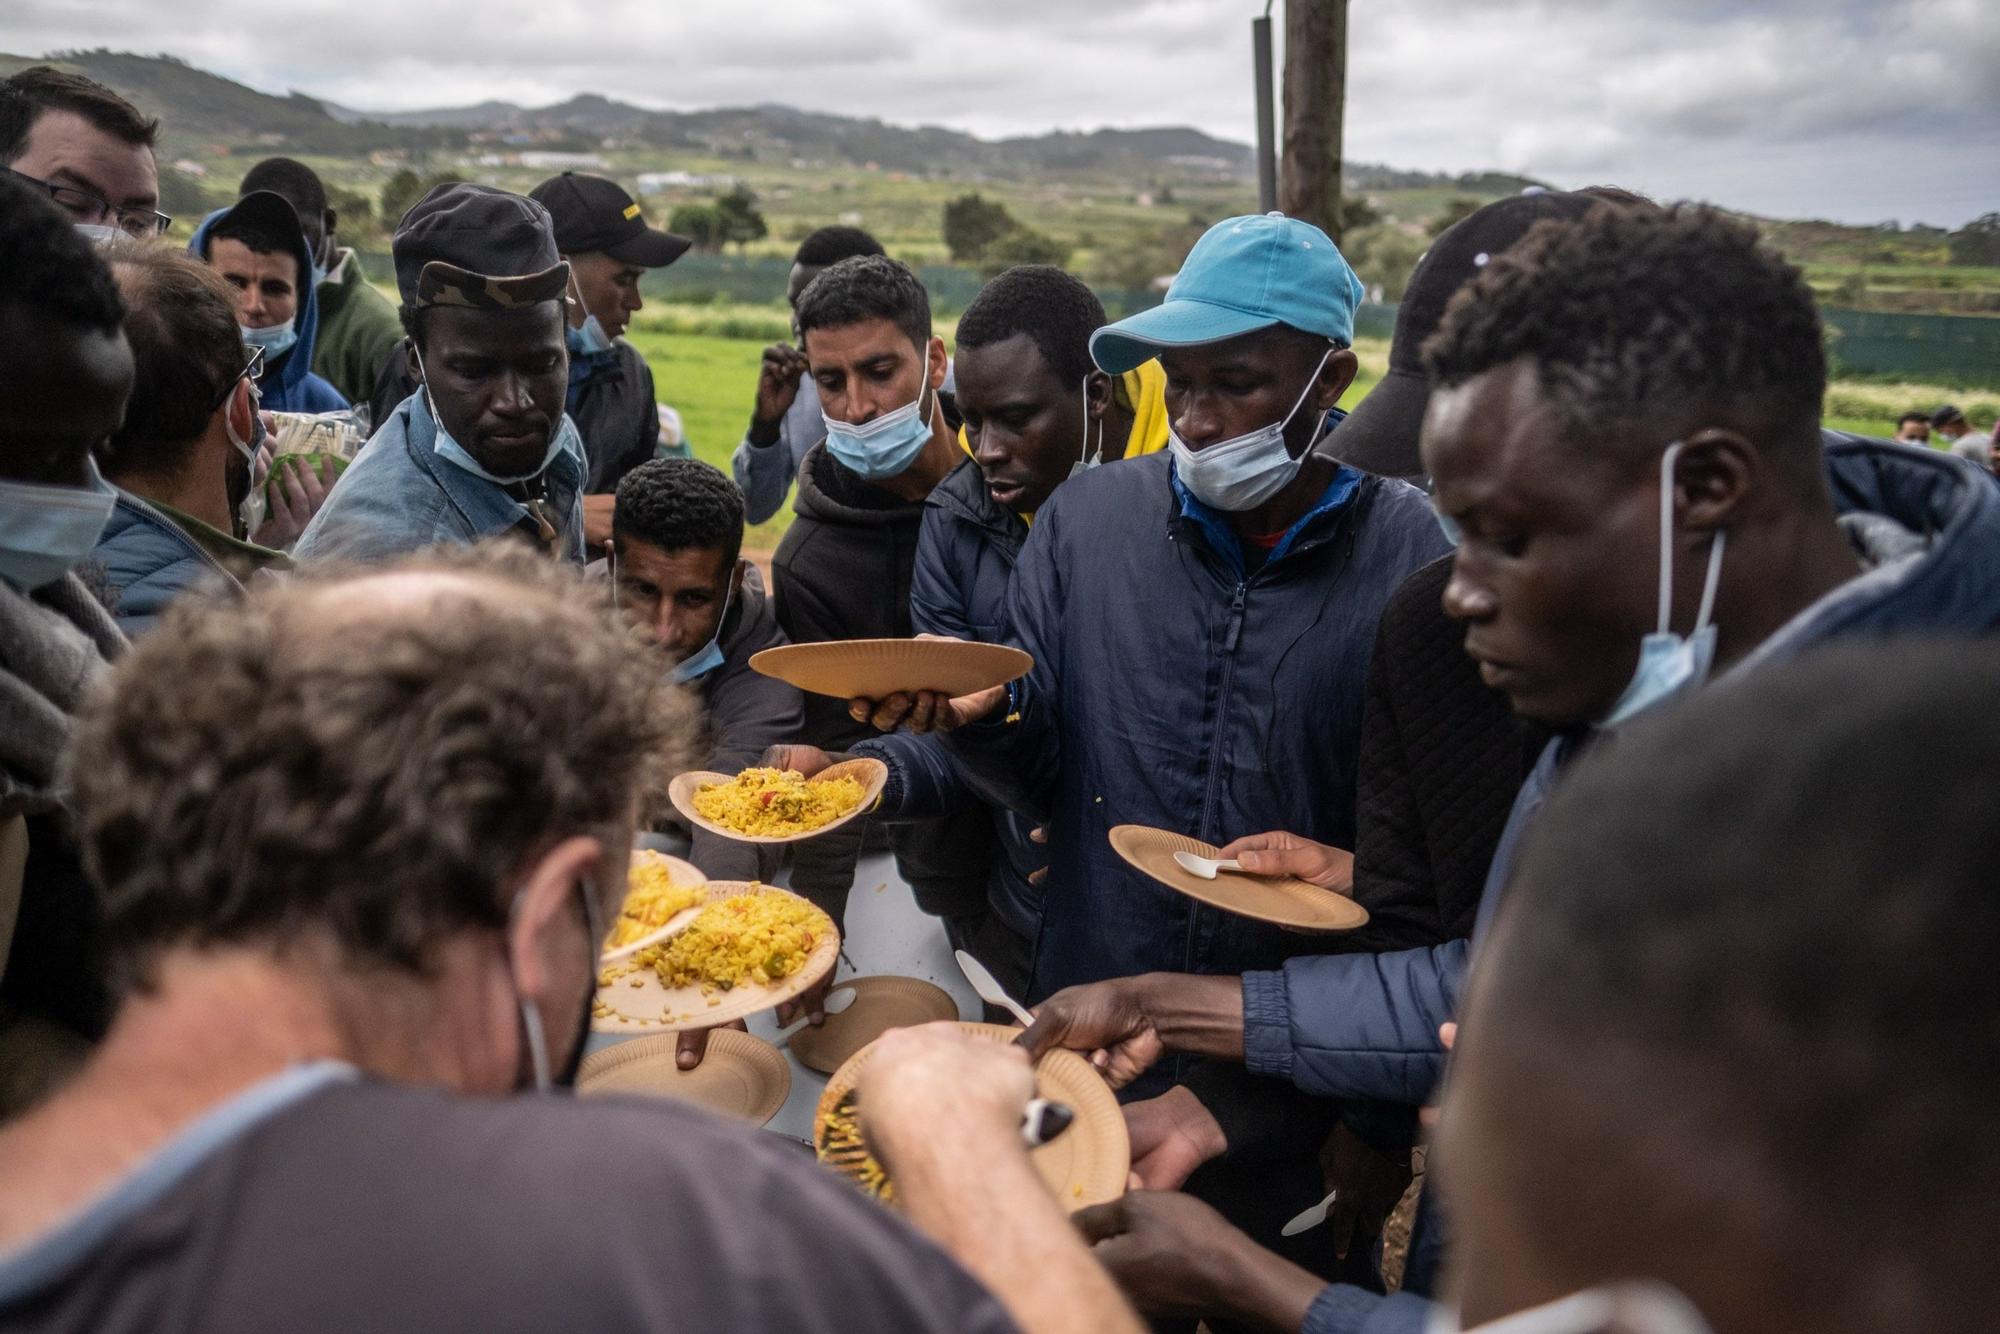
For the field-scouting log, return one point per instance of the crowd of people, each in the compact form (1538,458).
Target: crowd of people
(1641,712)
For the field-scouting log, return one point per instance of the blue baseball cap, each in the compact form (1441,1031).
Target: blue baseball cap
(1244,274)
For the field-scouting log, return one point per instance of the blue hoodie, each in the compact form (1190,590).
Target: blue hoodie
(289,384)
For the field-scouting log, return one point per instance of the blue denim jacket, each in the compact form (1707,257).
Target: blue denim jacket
(400,495)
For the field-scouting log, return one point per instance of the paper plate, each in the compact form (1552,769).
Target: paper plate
(1085,1165)
(678,872)
(651,1007)
(880,1004)
(740,1076)
(872,773)
(876,668)
(1283,900)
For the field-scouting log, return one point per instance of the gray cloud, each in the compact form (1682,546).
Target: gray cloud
(1838,108)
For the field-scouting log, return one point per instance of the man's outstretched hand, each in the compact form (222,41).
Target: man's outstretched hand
(927,710)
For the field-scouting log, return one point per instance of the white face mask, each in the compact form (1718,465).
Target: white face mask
(1622,1308)
(1090,457)
(46,530)
(250,510)
(1241,474)
(1669,664)
(100,233)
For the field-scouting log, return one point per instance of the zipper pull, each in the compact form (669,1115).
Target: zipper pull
(1235,630)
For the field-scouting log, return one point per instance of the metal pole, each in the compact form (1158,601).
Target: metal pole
(1267,120)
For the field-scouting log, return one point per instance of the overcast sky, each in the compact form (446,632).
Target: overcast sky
(1824,108)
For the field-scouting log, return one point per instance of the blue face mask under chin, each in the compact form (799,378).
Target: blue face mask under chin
(46,530)
(276,339)
(455,453)
(1669,664)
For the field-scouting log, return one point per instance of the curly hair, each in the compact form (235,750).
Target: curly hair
(1633,313)
(370,757)
(180,319)
(46,264)
(830,245)
(1056,310)
(675,504)
(866,287)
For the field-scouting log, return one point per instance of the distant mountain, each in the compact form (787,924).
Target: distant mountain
(201,111)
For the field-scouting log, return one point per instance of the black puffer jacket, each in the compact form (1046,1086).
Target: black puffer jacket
(1441,759)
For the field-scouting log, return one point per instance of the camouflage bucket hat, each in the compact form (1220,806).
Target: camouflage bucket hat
(442,284)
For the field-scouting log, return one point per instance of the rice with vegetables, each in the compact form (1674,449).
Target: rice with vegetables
(776,802)
(651,899)
(756,938)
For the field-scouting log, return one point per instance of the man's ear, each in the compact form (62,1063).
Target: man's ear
(1334,378)
(242,410)
(1097,395)
(328,222)
(1713,473)
(935,359)
(412,365)
(547,921)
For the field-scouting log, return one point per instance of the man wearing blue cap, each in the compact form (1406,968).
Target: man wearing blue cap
(483,445)
(1239,571)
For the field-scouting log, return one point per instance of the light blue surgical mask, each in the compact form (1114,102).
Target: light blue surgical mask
(457,455)
(1669,664)
(46,530)
(100,233)
(709,656)
(276,339)
(590,340)
(1241,474)
(887,446)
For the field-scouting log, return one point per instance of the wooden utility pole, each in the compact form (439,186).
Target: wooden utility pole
(1315,91)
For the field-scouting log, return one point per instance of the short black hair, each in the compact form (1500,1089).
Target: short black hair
(675,504)
(1913,415)
(48,266)
(1748,952)
(1055,309)
(295,183)
(255,233)
(39,89)
(830,245)
(1635,313)
(866,287)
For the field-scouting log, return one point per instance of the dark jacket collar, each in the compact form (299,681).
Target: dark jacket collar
(963,496)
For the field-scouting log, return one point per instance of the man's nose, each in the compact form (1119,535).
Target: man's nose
(1465,599)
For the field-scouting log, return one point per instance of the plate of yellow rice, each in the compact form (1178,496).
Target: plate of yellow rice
(778,805)
(751,948)
(659,891)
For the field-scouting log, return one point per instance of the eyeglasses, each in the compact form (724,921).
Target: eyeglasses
(254,368)
(141,224)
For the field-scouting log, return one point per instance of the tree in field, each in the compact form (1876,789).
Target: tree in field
(1978,242)
(404,189)
(1023,245)
(738,217)
(972,225)
(1454,211)
(699,223)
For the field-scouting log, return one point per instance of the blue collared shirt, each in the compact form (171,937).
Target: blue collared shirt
(400,495)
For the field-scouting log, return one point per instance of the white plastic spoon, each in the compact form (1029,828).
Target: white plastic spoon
(1206,867)
(1311,1218)
(836,1002)
(989,989)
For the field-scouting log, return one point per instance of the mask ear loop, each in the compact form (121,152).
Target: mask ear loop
(1087,458)
(1667,536)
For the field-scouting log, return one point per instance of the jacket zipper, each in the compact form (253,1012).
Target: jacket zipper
(1230,637)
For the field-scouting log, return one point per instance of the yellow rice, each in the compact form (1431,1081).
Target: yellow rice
(651,899)
(759,938)
(776,801)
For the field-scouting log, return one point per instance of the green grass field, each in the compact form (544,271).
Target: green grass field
(705,359)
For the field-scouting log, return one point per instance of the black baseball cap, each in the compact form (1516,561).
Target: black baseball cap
(594,215)
(489,247)
(1946,415)
(1380,435)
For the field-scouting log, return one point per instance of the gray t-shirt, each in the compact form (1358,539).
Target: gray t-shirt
(350,1205)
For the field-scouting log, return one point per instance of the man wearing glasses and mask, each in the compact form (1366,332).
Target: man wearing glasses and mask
(85,147)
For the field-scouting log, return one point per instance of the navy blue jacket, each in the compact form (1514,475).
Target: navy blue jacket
(966,552)
(1174,686)
(1366,1025)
